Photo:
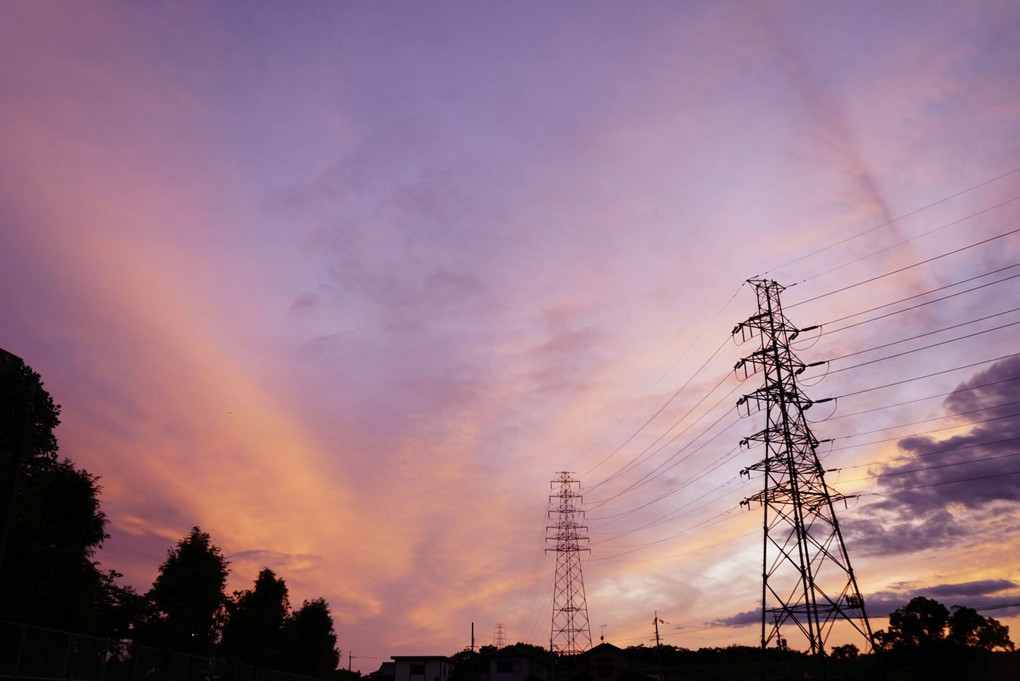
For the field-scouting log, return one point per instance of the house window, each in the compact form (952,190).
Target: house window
(604,668)
(417,669)
(508,666)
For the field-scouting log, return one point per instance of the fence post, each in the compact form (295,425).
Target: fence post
(67,655)
(21,649)
(105,651)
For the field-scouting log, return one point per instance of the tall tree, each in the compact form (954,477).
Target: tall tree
(924,623)
(51,514)
(311,640)
(919,624)
(253,631)
(968,628)
(24,403)
(187,598)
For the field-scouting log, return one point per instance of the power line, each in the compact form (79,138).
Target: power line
(613,517)
(907,267)
(924,347)
(678,512)
(923,293)
(674,396)
(659,470)
(698,443)
(730,515)
(938,418)
(654,472)
(947,482)
(658,520)
(909,435)
(722,459)
(691,507)
(639,458)
(532,589)
(999,607)
(906,241)
(919,399)
(927,333)
(918,378)
(705,523)
(950,450)
(890,474)
(894,220)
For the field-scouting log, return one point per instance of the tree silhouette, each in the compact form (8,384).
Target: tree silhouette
(968,628)
(936,643)
(120,608)
(253,631)
(919,624)
(847,651)
(925,623)
(24,402)
(52,525)
(311,641)
(186,600)
(52,517)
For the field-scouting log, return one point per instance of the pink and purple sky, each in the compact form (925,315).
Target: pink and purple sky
(346,284)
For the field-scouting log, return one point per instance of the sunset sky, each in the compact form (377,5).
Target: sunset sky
(346,284)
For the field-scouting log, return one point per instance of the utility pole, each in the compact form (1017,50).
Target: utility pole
(655,623)
(658,642)
(571,632)
(807,578)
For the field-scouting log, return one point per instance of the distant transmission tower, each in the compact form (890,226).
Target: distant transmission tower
(499,637)
(807,577)
(571,633)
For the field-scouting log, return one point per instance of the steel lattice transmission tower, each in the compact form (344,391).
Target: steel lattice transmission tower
(499,637)
(571,632)
(807,579)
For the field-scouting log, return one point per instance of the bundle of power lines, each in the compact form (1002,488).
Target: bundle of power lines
(895,319)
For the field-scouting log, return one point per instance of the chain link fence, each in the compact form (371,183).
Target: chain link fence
(30,653)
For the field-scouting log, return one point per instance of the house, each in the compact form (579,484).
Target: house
(606,662)
(422,668)
(386,672)
(513,663)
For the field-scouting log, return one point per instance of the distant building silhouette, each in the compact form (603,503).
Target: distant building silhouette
(514,664)
(422,668)
(606,662)
(387,672)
